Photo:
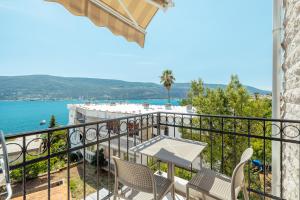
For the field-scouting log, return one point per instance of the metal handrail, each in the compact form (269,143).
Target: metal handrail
(206,128)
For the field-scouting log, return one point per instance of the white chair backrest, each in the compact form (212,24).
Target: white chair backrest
(238,173)
(4,165)
(136,176)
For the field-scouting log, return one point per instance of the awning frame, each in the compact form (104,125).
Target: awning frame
(125,8)
(133,24)
(164,8)
(118,15)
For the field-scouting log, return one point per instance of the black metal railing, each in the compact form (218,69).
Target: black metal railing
(73,153)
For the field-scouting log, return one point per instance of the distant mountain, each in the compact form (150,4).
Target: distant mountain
(53,87)
(251,89)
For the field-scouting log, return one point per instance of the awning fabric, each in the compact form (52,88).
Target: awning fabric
(127,18)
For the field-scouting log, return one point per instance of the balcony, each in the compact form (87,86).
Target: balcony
(74,162)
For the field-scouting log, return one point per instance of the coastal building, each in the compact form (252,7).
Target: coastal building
(86,113)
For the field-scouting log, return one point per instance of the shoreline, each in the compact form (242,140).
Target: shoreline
(32,100)
(19,116)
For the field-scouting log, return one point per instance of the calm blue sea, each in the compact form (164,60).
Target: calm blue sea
(22,116)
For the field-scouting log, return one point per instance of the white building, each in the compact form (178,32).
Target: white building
(85,113)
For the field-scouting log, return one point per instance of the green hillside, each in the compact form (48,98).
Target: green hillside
(53,87)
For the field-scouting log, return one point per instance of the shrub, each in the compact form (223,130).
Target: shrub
(102,162)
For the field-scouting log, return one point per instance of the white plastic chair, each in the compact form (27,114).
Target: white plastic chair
(219,186)
(4,165)
(139,182)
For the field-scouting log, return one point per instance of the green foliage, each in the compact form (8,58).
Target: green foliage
(233,100)
(52,123)
(102,162)
(58,143)
(33,170)
(167,79)
(73,186)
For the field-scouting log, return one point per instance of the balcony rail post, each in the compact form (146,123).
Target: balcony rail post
(158,123)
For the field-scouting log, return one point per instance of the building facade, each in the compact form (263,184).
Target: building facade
(85,113)
(291,97)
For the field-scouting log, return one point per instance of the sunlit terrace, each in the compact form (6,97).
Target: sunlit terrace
(69,174)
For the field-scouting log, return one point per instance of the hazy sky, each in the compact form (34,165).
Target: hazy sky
(208,39)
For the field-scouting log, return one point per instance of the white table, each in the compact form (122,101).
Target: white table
(174,151)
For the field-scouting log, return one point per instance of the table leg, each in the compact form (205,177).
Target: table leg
(201,161)
(171,174)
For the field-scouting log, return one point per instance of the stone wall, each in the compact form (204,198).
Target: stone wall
(291,97)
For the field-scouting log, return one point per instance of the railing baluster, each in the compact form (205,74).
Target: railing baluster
(191,126)
(147,132)
(84,152)
(134,136)
(200,139)
(281,176)
(49,134)
(141,126)
(158,123)
(249,144)
(182,123)
(109,164)
(97,160)
(24,167)
(127,140)
(234,142)
(264,154)
(68,162)
(166,126)
(119,138)
(211,143)
(174,128)
(200,121)
(152,126)
(222,134)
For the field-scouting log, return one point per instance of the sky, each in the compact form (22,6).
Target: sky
(207,39)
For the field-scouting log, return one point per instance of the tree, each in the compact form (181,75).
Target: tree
(167,79)
(232,100)
(102,162)
(52,123)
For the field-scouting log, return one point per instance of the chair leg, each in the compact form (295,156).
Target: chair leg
(116,188)
(245,192)
(173,192)
(187,193)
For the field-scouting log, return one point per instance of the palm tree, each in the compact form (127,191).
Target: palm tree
(167,79)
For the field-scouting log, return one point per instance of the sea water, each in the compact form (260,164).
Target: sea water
(23,116)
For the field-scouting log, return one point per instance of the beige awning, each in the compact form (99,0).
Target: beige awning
(128,18)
